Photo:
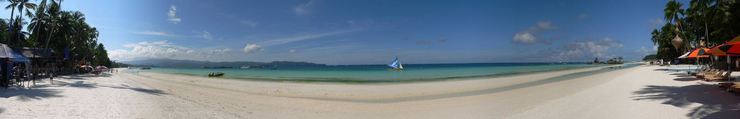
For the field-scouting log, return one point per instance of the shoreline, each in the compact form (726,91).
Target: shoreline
(357,81)
(436,89)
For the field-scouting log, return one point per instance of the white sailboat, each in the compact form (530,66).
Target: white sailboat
(396,65)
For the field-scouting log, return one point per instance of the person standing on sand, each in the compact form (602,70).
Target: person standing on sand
(4,80)
(51,77)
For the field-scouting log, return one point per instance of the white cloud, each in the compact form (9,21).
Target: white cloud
(291,50)
(303,9)
(286,40)
(172,15)
(544,25)
(206,35)
(524,37)
(248,23)
(165,49)
(647,51)
(155,33)
(251,48)
(529,36)
(588,49)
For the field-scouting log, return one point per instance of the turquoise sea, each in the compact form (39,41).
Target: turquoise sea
(378,73)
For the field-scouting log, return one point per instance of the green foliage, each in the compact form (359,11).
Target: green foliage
(120,65)
(707,22)
(52,28)
(650,57)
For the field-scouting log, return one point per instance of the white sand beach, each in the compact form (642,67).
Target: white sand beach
(637,92)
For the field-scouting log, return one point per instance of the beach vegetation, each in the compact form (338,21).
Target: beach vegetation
(70,38)
(651,57)
(696,24)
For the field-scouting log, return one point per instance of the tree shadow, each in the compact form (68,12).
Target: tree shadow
(2,110)
(84,76)
(684,74)
(685,79)
(143,90)
(715,103)
(29,94)
(76,84)
(81,84)
(661,69)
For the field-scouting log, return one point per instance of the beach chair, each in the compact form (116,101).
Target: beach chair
(701,71)
(725,85)
(707,73)
(735,87)
(720,77)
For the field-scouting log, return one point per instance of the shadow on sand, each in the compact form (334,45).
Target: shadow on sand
(685,79)
(28,94)
(715,103)
(684,74)
(143,90)
(83,76)
(76,84)
(82,84)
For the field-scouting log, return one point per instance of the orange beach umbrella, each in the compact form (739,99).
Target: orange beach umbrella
(699,53)
(731,48)
(716,51)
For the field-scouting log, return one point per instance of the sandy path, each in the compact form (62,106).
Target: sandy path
(643,93)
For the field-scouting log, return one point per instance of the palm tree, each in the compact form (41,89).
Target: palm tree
(11,6)
(27,6)
(673,14)
(39,22)
(53,11)
(22,5)
(699,12)
(18,36)
(673,11)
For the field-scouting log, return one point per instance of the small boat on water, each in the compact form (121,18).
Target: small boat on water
(146,68)
(396,65)
(215,74)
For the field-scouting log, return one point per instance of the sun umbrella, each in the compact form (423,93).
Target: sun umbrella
(734,40)
(730,48)
(699,53)
(717,50)
(727,48)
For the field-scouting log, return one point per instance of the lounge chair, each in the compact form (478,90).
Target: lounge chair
(719,77)
(699,72)
(735,87)
(702,72)
(726,85)
(708,73)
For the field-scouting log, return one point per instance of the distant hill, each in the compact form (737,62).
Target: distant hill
(207,64)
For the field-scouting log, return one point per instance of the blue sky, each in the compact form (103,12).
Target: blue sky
(373,31)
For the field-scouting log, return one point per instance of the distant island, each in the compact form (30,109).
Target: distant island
(616,60)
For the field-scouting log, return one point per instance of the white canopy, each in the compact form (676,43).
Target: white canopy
(686,55)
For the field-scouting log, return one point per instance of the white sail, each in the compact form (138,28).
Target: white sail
(396,64)
(400,66)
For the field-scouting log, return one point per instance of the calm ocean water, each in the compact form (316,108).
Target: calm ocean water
(378,73)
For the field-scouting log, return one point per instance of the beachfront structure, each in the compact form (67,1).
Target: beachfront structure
(24,64)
